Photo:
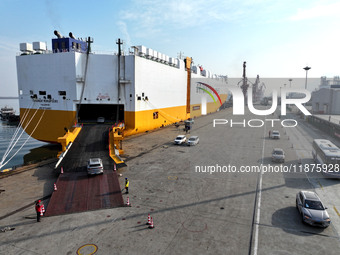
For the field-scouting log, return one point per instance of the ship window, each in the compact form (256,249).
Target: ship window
(49,97)
(155,115)
(139,98)
(42,93)
(63,45)
(31,92)
(62,93)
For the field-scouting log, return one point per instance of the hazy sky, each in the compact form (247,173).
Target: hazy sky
(276,38)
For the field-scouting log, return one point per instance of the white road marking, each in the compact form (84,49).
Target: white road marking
(256,237)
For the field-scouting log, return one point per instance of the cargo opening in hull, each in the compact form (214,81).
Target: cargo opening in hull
(110,112)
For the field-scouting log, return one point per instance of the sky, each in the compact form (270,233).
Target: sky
(277,38)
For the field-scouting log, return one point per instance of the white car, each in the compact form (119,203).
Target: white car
(95,166)
(180,139)
(278,155)
(275,134)
(100,120)
(193,140)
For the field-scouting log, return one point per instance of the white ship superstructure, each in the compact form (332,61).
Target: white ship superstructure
(144,89)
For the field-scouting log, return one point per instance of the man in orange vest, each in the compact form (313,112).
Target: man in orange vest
(38,209)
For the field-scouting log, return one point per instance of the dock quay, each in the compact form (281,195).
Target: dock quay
(193,212)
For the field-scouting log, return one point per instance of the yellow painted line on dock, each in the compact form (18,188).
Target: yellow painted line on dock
(320,185)
(172,178)
(336,210)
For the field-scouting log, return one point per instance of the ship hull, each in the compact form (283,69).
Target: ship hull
(60,89)
(46,125)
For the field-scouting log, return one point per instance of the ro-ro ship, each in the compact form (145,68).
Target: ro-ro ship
(144,89)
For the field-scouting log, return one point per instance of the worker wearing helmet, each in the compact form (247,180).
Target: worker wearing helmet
(127,185)
(38,209)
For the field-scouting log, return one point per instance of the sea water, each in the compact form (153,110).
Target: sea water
(20,149)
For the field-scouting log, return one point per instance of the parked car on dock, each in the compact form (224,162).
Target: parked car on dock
(180,139)
(275,134)
(193,140)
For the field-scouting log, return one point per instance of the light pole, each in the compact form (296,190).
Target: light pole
(290,82)
(306,68)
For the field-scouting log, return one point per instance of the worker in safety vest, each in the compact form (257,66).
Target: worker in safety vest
(38,209)
(127,186)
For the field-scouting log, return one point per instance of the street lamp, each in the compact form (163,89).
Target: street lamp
(306,68)
(290,82)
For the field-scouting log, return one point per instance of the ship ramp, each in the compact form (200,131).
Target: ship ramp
(78,192)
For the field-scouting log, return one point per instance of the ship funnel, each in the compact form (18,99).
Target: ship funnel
(71,35)
(58,34)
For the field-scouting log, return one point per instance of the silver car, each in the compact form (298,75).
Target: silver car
(193,140)
(95,166)
(312,210)
(275,134)
(278,155)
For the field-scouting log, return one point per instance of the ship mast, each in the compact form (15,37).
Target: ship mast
(89,41)
(119,43)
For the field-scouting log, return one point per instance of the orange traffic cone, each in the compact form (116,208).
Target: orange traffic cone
(55,187)
(151,226)
(149,220)
(128,202)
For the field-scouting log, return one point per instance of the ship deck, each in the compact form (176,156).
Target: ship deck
(78,192)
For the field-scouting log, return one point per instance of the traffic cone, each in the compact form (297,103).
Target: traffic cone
(55,187)
(151,226)
(42,210)
(128,202)
(62,170)
(149,220)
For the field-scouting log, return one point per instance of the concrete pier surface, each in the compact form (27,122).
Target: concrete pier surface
(202,198)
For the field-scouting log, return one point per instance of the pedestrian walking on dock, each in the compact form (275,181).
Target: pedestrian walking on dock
(38,209)
(127,186)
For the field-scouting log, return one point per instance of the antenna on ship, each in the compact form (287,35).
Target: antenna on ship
(89,41)
(119,43)
(180,55)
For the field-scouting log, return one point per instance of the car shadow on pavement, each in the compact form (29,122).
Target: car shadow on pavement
(289,220)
